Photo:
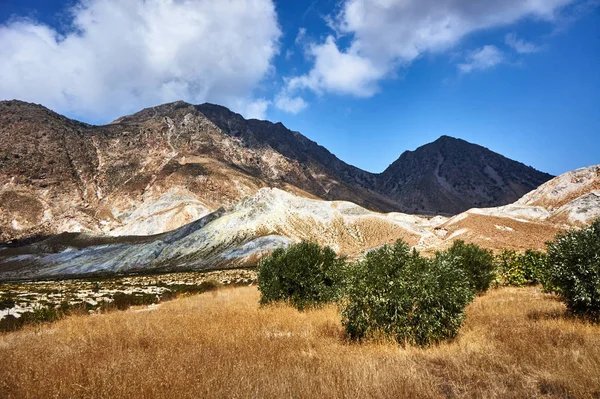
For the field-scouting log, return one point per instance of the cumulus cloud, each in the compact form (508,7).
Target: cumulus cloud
(337,71)
(122,55)
(483,58)
(293,105)
(386,34)
(519,45)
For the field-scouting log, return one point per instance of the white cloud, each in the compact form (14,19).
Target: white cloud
(300,36)
(251,108)
(340,72)
(293,105)
(385,34)
(123,55)
(483,58)
(519,45)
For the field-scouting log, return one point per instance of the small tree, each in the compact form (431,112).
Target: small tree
(477,263)
(304,275)
(405,296)
(574,269)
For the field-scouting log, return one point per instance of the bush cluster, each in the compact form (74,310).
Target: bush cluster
(392,292)
(574,270)
(402,295)
(304,275)
(395,293)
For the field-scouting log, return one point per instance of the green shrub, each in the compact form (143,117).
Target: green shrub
(477,263)
(535,266)
(510,270)
(574,269)
(517,269)
(123,301)
(404,296)
(7,301)
(304,275)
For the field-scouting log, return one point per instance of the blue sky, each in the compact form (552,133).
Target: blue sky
(367,79)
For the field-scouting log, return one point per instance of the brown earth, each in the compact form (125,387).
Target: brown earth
(498,233)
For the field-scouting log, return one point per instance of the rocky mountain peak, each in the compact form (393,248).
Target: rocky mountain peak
(451,175)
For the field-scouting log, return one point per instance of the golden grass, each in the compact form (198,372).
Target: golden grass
(515,343)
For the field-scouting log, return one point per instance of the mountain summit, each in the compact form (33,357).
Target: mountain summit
(452,175)
(166,166)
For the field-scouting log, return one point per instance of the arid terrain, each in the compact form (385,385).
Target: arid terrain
(92,295)
(240,235)
(378,199)
(124,275)
(516,343)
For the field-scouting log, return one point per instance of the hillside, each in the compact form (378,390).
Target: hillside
(273,218)
(238,237)
(144,174)
(451,175)
(569,200)
(166,166)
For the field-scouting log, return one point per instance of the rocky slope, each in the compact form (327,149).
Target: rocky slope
(150,172)
(166,166)
(569,200)
(273,218)
(451,175)
(238,237)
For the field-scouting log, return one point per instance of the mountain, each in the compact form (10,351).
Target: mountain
(273,218)
(451,175)
(153,171)
(166,166)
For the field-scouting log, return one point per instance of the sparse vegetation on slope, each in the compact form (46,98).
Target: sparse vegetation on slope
(23,303)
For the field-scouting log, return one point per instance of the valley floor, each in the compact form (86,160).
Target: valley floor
(516,342)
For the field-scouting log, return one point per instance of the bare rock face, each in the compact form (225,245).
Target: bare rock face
(166,166)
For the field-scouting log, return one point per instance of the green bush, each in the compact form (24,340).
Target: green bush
(517,269)
(304,275)
(535,266)
(402,295)
(510,270)
(477,263)
(574,269)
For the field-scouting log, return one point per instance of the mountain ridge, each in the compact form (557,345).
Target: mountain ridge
(168,165)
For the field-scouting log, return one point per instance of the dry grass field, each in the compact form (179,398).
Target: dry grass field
(516,343)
